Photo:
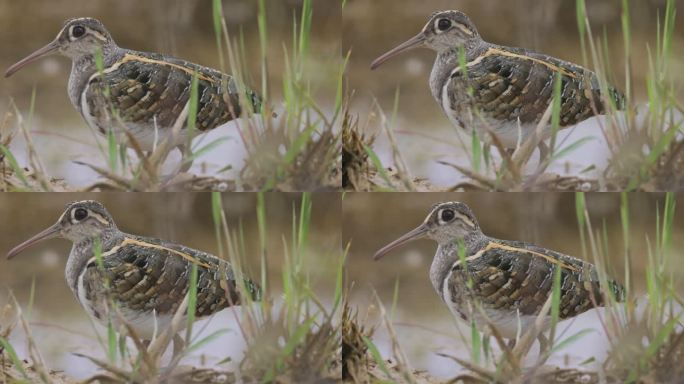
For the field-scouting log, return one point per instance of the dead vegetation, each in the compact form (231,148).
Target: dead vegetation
(361,366)
(362,171)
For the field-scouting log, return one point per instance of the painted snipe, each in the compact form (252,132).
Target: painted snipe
(510,280)
(144,93)
(503,90)
(146,279)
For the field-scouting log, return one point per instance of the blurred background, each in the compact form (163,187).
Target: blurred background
(423,323)
(181,28)
(59,324)
(424,133)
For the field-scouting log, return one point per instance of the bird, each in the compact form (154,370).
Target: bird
(510,280)
(502,90)
(146,278)
(141,92)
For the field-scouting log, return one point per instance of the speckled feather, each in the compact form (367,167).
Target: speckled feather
(511,83)
(516,276)
(148,275)
(149,88)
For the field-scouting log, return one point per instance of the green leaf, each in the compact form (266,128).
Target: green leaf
(13,356)
(296,338)
(14,165)
(192,108)
(569,148)
(570,339)
(475,343)
(111,341)
(205,340)
(192,301)
(378,165)
(476,148)
(376,355)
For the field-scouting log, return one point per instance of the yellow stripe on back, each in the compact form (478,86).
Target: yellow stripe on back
(493,245)
(129,241)
(130,57)
(496,51)
(547,257)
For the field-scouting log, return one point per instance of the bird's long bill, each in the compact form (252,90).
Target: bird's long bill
(415,234)
(49,233)
(414,42)
(46,50)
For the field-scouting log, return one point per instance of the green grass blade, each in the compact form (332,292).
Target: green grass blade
(112,150)
(206,340)
(32,295)
(580,206)
(217,15)
(624,219)
(305,29)
(197,153)
(395,298)
(556,108)
(304,222)
(555,301)
(569,148)
(112,346)
(378,165)
(581,10)
(570,340)
(475,346)
(261,225)
(13,356)
(298,336)
(14,165)
(377,357)
(476,149)
(192,301)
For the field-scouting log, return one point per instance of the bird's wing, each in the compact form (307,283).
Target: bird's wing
(519,276)
(146,274)
(152,89)
(511,84)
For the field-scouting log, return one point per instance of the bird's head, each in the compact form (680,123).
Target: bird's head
(446,223)
(81,220)
(78,37)
(445,30)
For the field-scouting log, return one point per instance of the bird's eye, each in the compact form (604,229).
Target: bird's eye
(80,214)
(443,24)
(447,215)
(78,31)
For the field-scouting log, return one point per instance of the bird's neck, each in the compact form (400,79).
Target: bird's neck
(82,251)
(447,255)
(447,61)
(84,66)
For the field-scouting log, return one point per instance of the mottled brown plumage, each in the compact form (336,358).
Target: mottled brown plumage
(511,84)
(148,88)
(512,275)
(146,275)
